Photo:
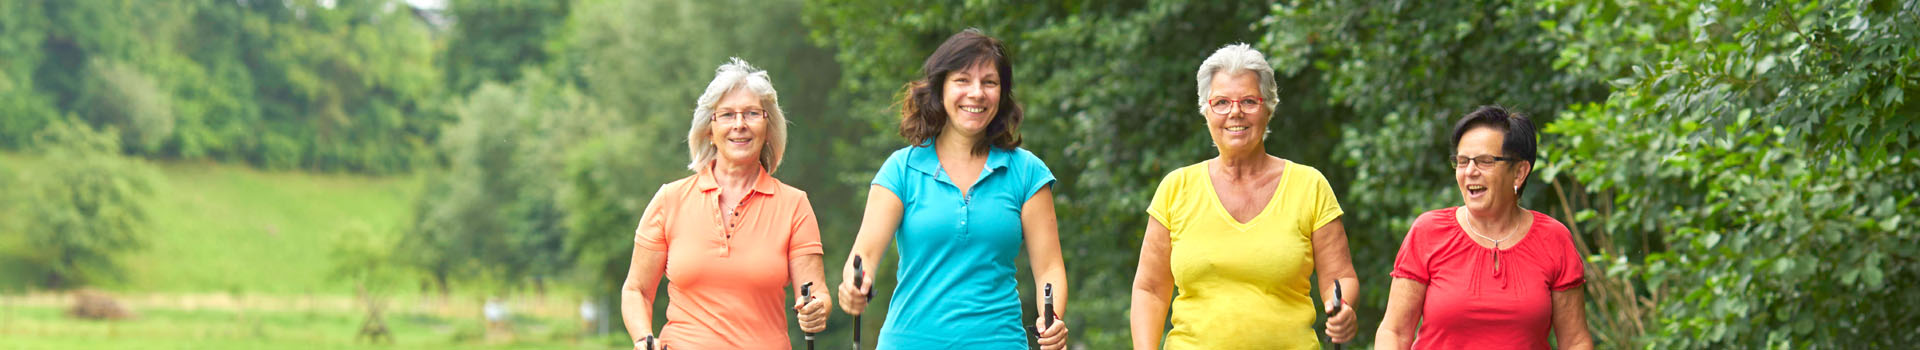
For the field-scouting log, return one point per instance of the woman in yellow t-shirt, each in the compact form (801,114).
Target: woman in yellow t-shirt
(1240,235)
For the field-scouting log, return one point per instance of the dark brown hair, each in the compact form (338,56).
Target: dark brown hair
(923,114)
(1518,140)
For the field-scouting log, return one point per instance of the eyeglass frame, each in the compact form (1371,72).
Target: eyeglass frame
(741,116)
(1483,162)
(1241,104)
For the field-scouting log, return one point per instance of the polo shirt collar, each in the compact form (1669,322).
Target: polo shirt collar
(923,158)
(765,184)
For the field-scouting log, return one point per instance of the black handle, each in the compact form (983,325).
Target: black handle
(1337,305)
(859,272)
(1050,315)
(806,295)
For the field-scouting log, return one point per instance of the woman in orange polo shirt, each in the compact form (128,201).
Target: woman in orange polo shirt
(730,238)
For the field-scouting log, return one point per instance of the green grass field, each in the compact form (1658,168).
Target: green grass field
(224,232)
(234,229)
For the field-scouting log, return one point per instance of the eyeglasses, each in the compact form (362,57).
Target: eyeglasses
(1222,105)
(1484,162)
(745,116)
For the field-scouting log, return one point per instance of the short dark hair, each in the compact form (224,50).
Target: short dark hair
(923,114)
(1520,141)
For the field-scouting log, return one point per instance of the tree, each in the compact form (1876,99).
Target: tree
(121,96)
(88,206)
(494,216)
(1755,162)
(494,40)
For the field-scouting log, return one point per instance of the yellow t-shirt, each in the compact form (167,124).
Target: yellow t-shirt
(1243,285)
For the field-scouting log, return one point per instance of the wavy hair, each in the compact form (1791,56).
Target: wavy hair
(922,113)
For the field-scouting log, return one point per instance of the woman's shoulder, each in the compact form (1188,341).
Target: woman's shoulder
(1435,221)
(672,193)
(1304,172)
(1190,170)
(785,190)
(1543,223)
(901,154)
(679,185)
(1023,158)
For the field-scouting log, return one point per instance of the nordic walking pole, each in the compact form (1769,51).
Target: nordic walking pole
(806,295)
(858,274)
(1050,315)
(1337,304)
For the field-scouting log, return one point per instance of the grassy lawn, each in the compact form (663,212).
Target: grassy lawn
(266,237)
(48,328)
(234,229)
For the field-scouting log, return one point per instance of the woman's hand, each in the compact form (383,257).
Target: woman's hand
(1051,338)
(1340,326)
(643,343)
(853,300)
(813,314)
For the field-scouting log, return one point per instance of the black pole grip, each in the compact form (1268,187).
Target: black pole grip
(1337,305)
(1050,314)
(859,272)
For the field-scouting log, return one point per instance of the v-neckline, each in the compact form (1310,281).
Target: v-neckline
(1220,204)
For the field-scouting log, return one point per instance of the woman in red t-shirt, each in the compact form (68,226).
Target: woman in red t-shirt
(1488,274)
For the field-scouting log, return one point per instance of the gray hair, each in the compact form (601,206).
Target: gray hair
(737,74)
(1233,59)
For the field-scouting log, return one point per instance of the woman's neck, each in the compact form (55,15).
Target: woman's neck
(1245,165)
(955,143)
(732,175)
(1498,220)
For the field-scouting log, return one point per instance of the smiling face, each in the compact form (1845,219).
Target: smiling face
(1486,190)
(971,97)
(1237,130)
(741,139)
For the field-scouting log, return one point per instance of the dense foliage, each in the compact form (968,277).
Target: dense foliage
(277,84)
(1718,160)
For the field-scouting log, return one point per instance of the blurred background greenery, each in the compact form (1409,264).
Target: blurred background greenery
(298,173)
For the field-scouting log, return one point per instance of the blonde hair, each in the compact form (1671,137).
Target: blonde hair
(733,75)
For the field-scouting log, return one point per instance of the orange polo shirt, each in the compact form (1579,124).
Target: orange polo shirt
(727,280)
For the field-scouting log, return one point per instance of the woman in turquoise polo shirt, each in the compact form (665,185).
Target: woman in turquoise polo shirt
(963,200)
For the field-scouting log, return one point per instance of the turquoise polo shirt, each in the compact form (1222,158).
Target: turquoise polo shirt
(956,279)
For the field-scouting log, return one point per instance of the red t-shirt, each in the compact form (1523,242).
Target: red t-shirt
(1472,305)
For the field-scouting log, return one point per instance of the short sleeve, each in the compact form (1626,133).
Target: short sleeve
(1037,174)
(805,239)
(1325,204)
(892,174)
(1411,262)
(1161,207)
(1571,271)
(652,231)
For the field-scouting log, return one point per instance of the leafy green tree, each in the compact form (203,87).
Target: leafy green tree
(23,108)
(494,216)
(87,208)
(493,40)
(292,84)
(121,96)
(1755,162)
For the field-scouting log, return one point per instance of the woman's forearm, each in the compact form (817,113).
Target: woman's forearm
(1147,318)
(636,310)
